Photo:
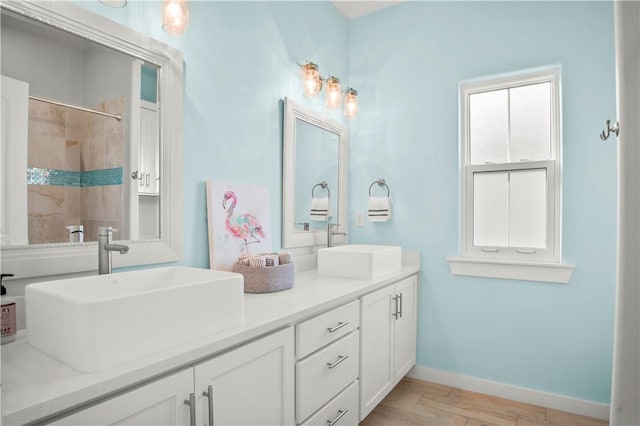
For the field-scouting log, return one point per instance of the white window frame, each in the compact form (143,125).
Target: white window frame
(512,262)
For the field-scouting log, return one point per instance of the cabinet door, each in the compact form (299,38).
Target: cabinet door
(404,356)
(149,148)
(376,331)
(250,385)
(159,403)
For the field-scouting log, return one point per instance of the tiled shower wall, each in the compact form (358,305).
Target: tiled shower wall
(75,170)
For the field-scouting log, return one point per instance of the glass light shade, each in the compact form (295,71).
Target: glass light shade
(175,16)
(114,3)
(311,76)
(350,103)
(334,94)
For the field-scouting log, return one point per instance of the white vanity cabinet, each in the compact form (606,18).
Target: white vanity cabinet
(328,348)
(160,402)
(388,340)
(250,385)
(149,149)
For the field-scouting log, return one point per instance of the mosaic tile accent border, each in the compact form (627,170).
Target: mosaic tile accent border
(55,177)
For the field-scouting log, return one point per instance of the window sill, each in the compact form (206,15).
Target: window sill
(513,270)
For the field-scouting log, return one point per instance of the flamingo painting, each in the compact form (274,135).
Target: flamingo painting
(243,227)
(239,222)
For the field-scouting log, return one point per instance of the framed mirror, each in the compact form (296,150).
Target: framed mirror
(91,136)
(314,177)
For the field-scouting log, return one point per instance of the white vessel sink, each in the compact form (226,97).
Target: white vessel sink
(359,261)
(96,322)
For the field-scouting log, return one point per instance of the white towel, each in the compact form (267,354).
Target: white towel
(257,261)
(320,209)
(379,209)
(271,260)
(285,257)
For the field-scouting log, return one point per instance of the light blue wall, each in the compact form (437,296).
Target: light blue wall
(406,62)
(240,60)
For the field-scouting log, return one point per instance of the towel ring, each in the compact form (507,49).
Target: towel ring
(380,182)
(323,185)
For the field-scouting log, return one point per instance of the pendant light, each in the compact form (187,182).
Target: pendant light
(175,16)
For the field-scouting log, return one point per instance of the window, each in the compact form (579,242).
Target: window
(510,166)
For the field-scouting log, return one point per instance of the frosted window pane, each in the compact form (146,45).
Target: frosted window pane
(527,207)
(489,126)
(490,209)
(530,122)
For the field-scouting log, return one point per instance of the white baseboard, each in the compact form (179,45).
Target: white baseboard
(515,393)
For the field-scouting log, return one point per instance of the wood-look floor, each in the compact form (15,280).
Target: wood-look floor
(414,402)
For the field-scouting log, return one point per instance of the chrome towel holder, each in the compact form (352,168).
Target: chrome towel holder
(323,185)
(380,182)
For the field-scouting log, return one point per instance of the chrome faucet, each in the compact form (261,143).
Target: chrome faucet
(105,233)
(331,233)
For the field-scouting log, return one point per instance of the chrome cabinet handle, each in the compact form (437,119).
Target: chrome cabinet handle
(338,327)
(338,361)
(396,312)
(191,402)
(400,298)
(341,413)
(148,177)
(209,394)
(490,250)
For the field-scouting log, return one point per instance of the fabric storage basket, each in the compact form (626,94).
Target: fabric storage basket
(267,279)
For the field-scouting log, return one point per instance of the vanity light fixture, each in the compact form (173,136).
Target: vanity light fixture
(114,3)
(350,102)
(334,94)
(312,80)
(175,16)
(313,84)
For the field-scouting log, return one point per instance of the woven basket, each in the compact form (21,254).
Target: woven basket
(267,279)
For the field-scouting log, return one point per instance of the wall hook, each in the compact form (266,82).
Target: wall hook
(608,129)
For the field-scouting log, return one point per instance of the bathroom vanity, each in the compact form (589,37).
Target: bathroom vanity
(327,350)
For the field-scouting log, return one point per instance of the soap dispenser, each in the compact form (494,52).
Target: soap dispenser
(8,318)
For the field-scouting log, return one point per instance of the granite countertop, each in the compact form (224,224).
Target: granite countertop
(35,386)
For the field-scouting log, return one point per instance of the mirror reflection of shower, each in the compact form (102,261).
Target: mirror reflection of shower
(73,161)
(75,169)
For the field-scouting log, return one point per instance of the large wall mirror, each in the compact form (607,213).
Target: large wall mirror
(314,177)
(91,136)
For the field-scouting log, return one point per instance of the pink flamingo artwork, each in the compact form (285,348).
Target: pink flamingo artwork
(243,227)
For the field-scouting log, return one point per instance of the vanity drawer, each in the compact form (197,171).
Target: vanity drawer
(323,375)
(342,410)
(323,329)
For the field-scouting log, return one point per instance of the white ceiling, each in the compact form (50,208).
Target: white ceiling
(355,8)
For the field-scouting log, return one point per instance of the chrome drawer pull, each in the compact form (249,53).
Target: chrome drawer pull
(396,299)
(340,359)
(191,402)
(209,394)
(341,413)
(338,327)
